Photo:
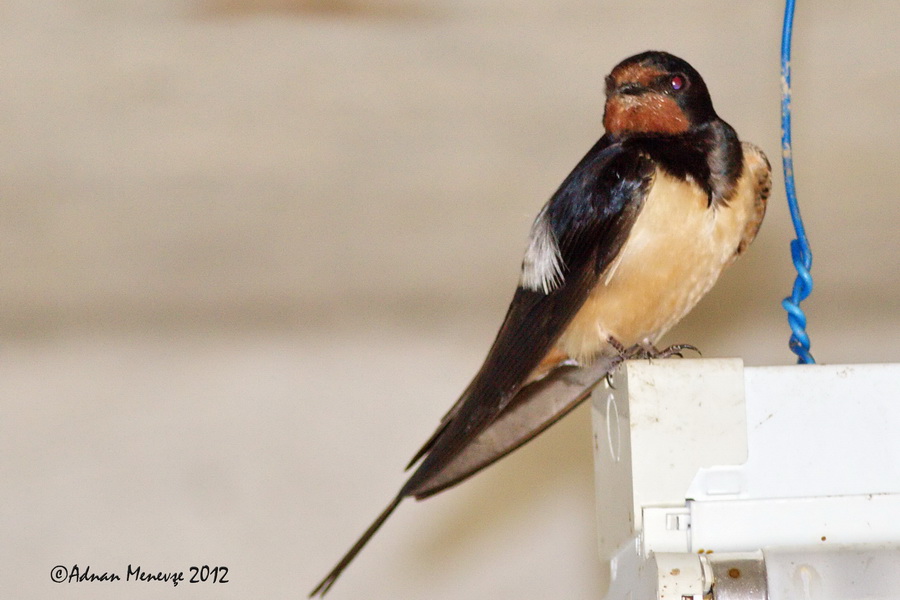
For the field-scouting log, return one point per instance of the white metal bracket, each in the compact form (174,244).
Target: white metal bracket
(699,462)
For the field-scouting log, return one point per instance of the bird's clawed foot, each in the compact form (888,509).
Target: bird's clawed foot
(622,351)
(676,350)
(616,345)
(648,351)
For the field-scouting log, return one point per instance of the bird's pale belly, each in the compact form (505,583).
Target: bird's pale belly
(673,256)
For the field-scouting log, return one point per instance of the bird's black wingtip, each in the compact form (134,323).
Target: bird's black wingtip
(415,459)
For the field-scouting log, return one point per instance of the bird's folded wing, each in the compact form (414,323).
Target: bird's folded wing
(534,409)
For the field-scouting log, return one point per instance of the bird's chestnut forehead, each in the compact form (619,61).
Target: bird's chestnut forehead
(636,73)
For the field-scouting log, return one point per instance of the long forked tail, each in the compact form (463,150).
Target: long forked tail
(329,580)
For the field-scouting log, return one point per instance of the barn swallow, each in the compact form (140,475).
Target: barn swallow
(633,238)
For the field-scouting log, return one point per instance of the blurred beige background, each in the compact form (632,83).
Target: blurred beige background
(251,251)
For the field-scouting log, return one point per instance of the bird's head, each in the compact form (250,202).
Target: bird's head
(655,92)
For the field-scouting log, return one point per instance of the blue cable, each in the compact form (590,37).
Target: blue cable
(800,250)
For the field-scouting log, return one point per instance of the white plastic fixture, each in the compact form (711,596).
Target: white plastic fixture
(715,480)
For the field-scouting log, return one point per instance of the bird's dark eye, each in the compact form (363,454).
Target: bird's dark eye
(677,82)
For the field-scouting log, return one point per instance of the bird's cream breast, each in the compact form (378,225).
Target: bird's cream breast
(676,250)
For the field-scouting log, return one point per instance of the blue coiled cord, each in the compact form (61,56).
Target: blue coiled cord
(800,250)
